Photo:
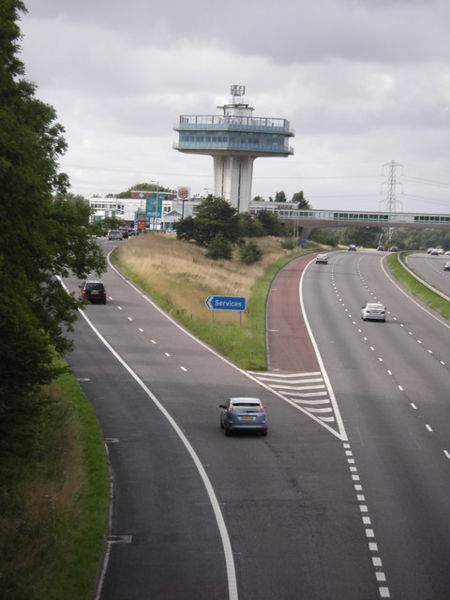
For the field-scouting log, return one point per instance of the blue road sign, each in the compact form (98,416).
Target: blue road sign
(225,303)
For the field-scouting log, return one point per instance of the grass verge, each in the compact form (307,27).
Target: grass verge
(427,296)
(244,346)
(53,512)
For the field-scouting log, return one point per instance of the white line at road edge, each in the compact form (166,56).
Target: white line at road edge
(342,433)
(409,297)
(229,561)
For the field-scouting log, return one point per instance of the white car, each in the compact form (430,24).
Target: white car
(322,258)
(434,252)
(373,311)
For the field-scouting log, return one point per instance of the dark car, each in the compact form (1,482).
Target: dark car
(243,414)
(447,266)
(94,291)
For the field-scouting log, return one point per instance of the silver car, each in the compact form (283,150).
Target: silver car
(322,258)
(238,414)
(374,311)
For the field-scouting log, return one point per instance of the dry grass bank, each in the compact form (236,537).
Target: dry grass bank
(179,270)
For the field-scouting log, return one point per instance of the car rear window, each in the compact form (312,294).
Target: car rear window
(94,286)
(247,406)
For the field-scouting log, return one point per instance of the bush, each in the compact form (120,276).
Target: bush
(220,247)
(250,253)
(289,243)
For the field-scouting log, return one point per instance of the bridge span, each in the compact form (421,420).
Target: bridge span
(311,219)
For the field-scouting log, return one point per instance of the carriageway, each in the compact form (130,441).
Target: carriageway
(311,219)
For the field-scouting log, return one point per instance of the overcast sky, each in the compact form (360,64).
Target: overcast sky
(362,82)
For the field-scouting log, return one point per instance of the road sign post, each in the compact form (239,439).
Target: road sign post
(236,303)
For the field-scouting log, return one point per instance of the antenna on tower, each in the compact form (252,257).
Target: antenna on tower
(390,169)
(237,91)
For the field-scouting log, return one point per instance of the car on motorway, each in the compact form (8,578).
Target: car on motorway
(322,258)
(94,290)
(447,253)
(243,414)
(352,248)
(114,234)
(374,311)
(434,252)
(380,248)
(393,249)
(447,266)
(440,251)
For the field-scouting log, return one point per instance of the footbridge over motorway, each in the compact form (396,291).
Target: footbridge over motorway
(311,219)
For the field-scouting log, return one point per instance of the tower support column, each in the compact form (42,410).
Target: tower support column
(233,180)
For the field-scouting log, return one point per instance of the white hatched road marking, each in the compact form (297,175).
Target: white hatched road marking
(315,402)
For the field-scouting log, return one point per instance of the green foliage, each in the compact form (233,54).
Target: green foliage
(142,187)
(299,199)
(249,252)
(362,236)
(270,222)
(45,233)
(288,243)
(219,247)
(213,216)
(330,237)
(185,229)
(280,196)
(420,239)
(258,199)
(249,226)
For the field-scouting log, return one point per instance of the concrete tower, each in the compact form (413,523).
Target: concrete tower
(234,139)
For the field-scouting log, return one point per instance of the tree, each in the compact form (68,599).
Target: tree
(280,197)
(249,226)
(299,199)
(44,234)
(258,199)
(270,222)
(219,247)
(215,215)
(185,229)
(249,252)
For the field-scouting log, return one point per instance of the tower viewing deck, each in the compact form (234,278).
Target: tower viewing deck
(234,139)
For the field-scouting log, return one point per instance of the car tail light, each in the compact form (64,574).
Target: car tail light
(231,408)
(83,293)
(261,408)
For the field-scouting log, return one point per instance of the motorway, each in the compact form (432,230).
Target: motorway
(431,269)
(352,505)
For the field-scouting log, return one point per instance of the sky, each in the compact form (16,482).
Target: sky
(362,83)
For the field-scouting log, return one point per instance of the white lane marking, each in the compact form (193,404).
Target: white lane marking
(228,552)
(373,547)
(141,330)
(389,372)
(413,406)
(183,369)
(130,318)
(400,388)
(447,453)
(342,435)
(419,341)
(429,428)
(153,341)
(166,353)
(409,297)
(119,308)
(442,363)
(270,376)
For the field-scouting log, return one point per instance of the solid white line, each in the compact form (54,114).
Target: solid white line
(229,561)
(409,297)
(342,435)
(269,376)
(305,395)
(320,410)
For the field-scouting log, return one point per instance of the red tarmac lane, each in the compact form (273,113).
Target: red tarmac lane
(289,346)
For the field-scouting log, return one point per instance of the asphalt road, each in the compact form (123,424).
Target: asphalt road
(347,497)
(431,269)
(392,386)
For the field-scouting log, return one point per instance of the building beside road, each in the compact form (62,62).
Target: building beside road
(160,210)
